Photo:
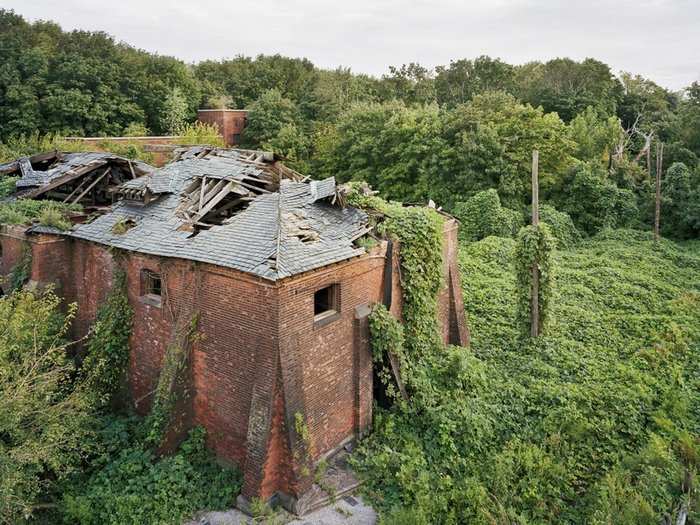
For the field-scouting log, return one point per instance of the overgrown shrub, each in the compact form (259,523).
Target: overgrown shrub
(561,226)
(48,213)
(482,215)
(7,186)
(680,205)
(201,133)
(134,486)
(534,246)
(593,201)
(107,355)
(45,429)
(594,422)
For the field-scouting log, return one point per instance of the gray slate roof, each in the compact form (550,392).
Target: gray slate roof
(278,235)
(69,161)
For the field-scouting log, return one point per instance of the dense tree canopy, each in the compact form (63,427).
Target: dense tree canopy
(414,134)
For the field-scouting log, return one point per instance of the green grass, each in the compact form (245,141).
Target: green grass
(596,422)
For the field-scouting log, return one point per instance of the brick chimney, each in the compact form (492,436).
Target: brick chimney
(229,121)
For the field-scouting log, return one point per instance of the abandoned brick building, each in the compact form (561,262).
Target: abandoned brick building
(268,261)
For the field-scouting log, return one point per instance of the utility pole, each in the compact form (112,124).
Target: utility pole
(659,168)
(535,304)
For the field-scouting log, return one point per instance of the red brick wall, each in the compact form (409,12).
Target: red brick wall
(320,363)
(451,316)
(231,122)
(238,344)
(12,241)
(259,358)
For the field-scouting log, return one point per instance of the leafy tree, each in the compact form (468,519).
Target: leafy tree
(267,116)
(411,83)
(680,205)
(335,91)
(689,119)
(388,145)
(568,87)
(463,79)
(292,145)
(497,134)
(595,138)
(174,112)
(45,419)
(593,201)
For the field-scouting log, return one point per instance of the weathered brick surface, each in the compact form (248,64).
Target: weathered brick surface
(259,358)
(229,121)
(12,243)
(451,316)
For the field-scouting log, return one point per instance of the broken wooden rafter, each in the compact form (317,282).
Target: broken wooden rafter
(94,183)
(65,178)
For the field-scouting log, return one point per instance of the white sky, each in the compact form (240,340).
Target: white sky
(659,39)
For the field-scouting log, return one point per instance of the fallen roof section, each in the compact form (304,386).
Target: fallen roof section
(287,226)
(88,177)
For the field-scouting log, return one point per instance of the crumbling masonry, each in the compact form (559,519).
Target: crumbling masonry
(280,374)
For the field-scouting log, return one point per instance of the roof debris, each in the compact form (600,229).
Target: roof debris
(90,179)
(233,208)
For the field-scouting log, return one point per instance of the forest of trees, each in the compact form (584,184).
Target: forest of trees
(413,134)
(595,421)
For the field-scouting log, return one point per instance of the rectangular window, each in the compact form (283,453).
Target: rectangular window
(151,283)
(327,304)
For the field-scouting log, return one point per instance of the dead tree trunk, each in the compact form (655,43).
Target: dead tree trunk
(535,305)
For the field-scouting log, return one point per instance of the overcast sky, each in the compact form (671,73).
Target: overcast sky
(659,39)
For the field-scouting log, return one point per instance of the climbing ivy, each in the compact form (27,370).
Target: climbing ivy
(108,346)
(534,244)
(387,337)
(419,232)
(21,272)
(171,374)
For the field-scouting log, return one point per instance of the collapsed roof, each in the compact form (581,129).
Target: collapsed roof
(233,208)
(89,179)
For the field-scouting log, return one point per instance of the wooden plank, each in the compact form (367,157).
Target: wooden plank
(98,179)
(63,179)
(202,187)
(78,187)
(214,201)
(25,167)
(396,372)
(252,187)
(233,203)
(216,188)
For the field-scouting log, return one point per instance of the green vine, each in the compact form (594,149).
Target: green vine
(387,337)
(21,272)
(107,355)
(166,393)
(419,232)
(534,244)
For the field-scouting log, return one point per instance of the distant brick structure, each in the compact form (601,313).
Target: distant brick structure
(265,359)
(230,122)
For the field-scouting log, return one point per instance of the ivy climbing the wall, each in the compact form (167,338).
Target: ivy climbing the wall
(21,272)
(534,244)
(107,355)
(170,382)
(387,336)
(419,232)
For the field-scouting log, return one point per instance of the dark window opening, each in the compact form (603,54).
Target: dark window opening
(152,284)
(327,303)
